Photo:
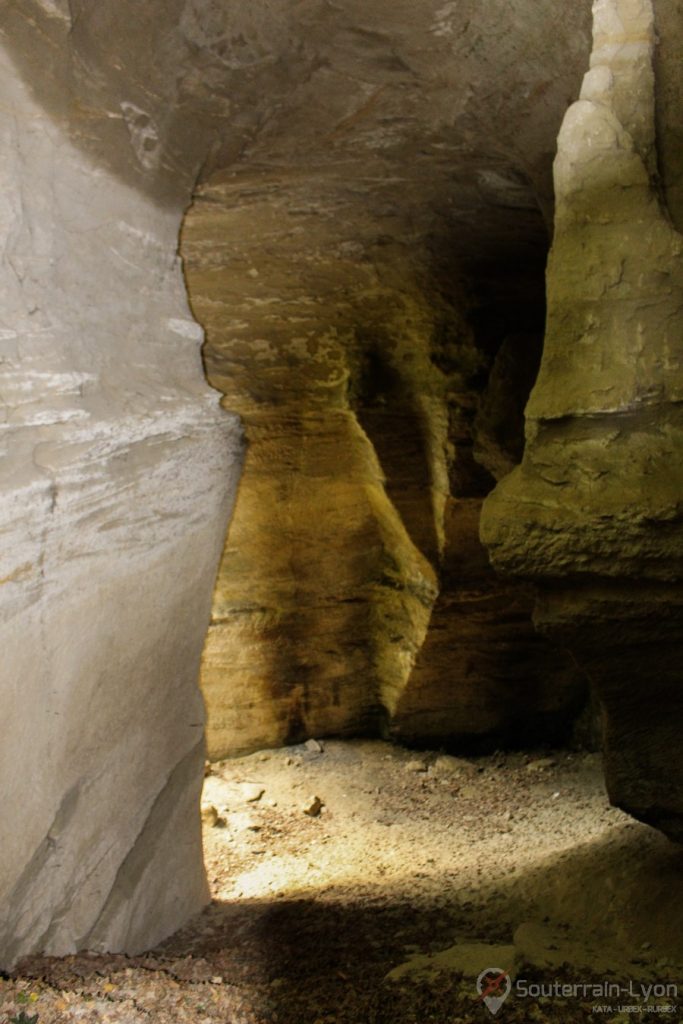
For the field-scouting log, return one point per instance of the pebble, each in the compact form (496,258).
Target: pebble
(416,766)
(541,764)
(209,815)
(312,807)
(251,792)
(314,746)
(445,764)
(469,792)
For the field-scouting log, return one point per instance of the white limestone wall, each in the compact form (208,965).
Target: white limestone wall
(117,473)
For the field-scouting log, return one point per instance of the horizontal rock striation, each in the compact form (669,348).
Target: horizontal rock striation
(117,469)
(353,594)
(326,264)
(594,513)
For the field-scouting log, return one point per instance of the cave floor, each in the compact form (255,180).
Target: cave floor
(418,871)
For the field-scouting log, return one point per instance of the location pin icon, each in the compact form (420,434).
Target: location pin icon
(493,986)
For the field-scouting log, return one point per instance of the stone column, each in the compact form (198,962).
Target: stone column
(594,514)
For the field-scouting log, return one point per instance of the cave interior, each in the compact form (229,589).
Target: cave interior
(341,398)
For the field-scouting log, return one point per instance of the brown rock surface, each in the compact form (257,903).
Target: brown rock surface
(327,266)
(358,380)
(594,513)
(483,675)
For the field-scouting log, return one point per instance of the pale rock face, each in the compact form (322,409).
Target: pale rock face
(594,511)
(118,470)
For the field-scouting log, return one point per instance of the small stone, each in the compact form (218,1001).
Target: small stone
(216,980)
(416,766)
(556,796)
(209,815)
(251,792)
(312,807)
(468,792)
(314,746)
(445,764)
(541,764)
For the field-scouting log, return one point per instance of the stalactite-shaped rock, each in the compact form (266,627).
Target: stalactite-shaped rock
(595,512)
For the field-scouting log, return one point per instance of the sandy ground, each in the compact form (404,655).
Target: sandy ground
(361,883)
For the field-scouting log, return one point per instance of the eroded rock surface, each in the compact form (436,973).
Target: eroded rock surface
(118,470)
(594,512)
(328,267)
(353,159)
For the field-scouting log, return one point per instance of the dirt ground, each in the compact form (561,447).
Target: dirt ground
(361,883)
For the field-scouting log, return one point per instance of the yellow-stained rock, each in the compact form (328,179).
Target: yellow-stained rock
(357,379)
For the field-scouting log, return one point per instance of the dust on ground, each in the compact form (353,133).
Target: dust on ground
(362,883)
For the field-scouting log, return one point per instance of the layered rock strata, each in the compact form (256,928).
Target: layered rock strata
(353,594)
(594,513)
(119,466)
(325,262)
(394,142)
(118,469)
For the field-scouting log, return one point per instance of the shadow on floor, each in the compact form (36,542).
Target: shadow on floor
(323,959)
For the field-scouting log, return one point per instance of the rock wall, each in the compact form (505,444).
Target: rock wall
(357,163)
(118,470)
(354,595)
(324,594)
(594,513)
(410,149)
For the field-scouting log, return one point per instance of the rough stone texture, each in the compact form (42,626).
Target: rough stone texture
(428,130)
(498,428)
(324,592)
(594,513)
(326,265)
(668,64)
(117,470)
(483,677)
